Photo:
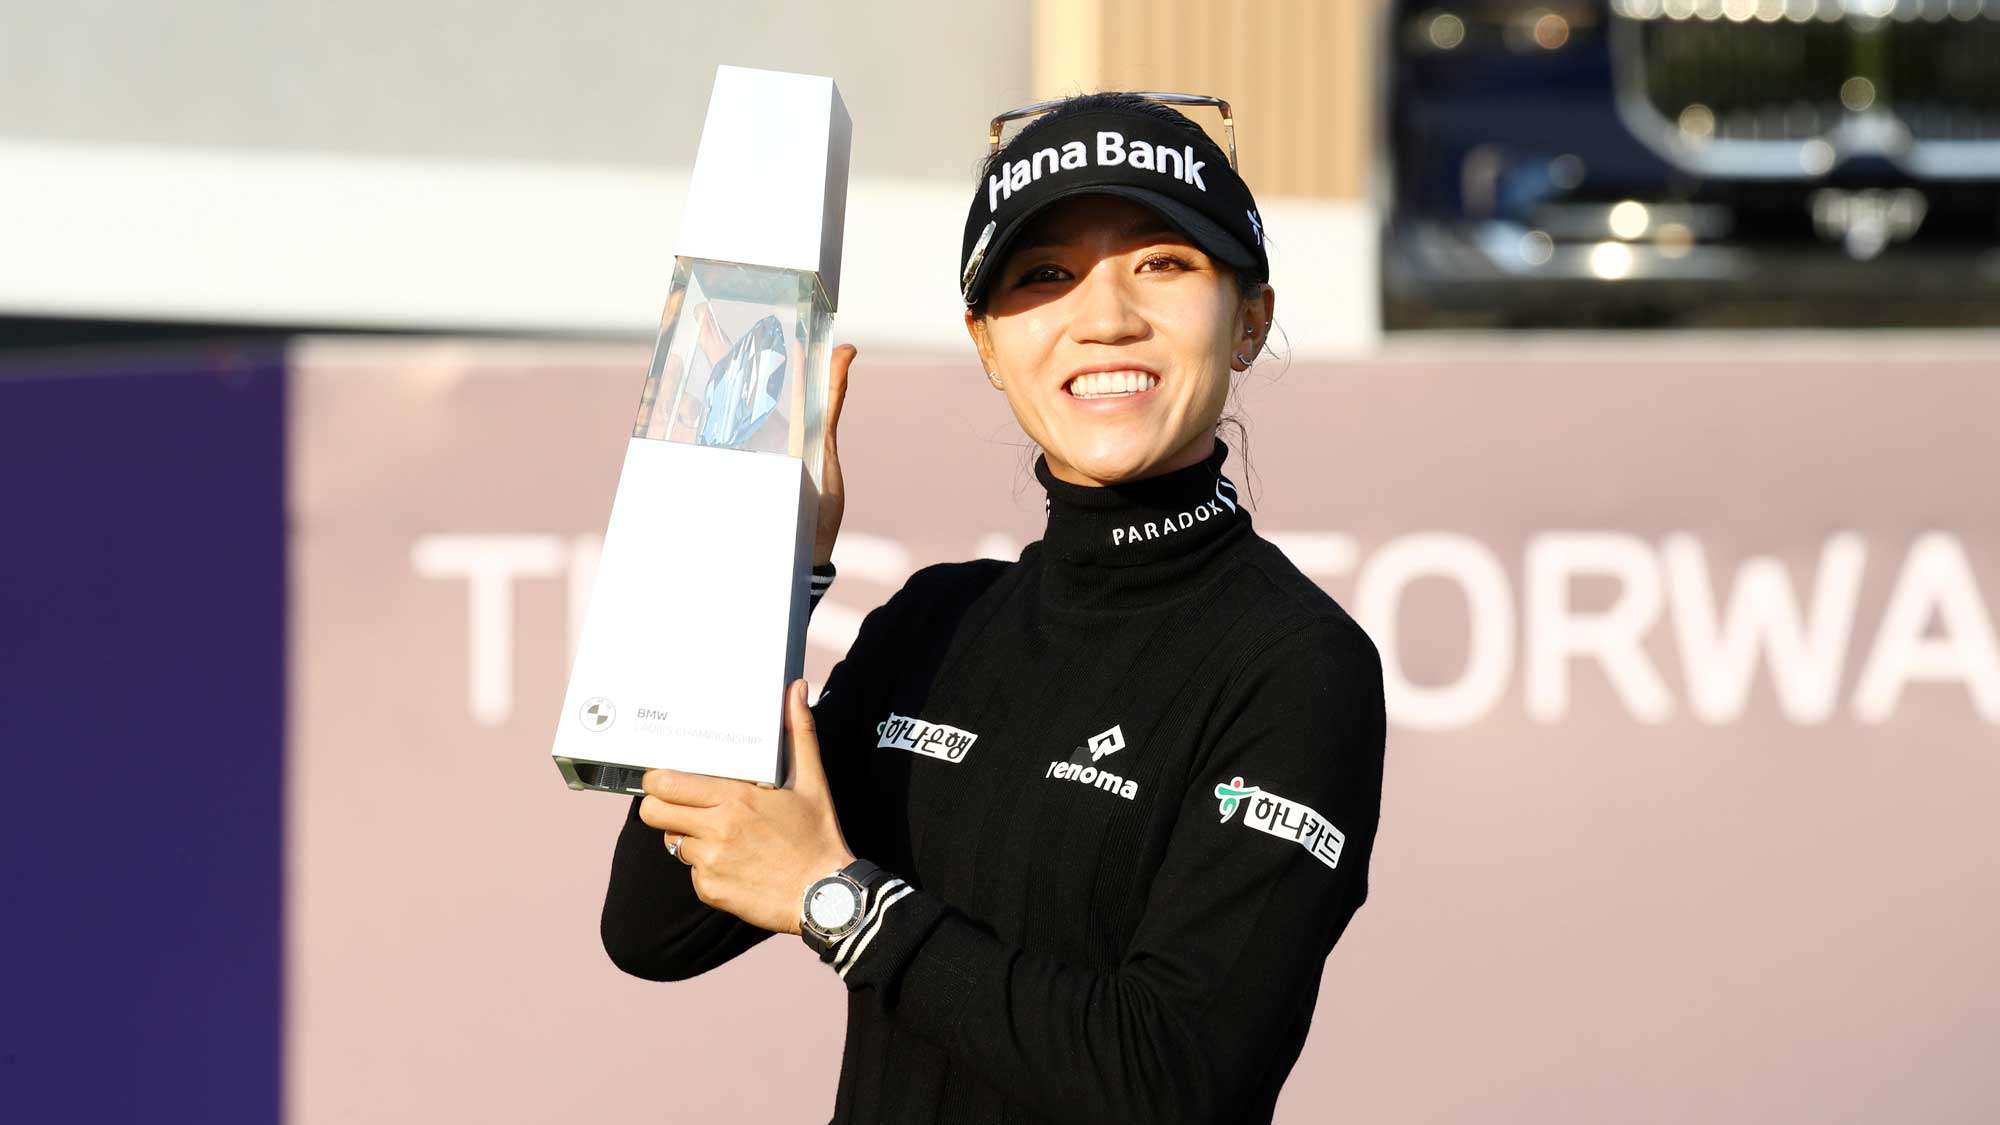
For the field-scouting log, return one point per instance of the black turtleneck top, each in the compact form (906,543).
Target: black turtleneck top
(1126,788)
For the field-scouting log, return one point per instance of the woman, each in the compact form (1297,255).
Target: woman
(1102,811)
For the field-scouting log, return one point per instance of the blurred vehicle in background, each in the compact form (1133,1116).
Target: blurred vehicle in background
(1610,162)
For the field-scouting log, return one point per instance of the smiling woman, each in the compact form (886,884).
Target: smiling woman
(1029,928)
(1113,337)
(1112,298)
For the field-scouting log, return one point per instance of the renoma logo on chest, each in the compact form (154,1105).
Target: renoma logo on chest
(1082,765)
(1111,149)
(1224,502)
(933,740)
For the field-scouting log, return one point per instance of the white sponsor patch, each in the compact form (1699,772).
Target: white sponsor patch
(934,740)
(1283,818)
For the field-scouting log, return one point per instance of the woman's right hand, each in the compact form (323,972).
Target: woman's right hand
(832,493)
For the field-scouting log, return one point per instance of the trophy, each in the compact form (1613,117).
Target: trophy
(697,615)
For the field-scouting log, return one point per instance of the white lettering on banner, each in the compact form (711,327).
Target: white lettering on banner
(1937,578)
(1112,149)
(1719,651)
(1286,819)
(1664,600)
(1805,650)
(934,740)
(1613,637)
(489,564)
(1482,581)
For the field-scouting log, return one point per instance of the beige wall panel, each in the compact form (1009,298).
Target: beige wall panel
(1297,73)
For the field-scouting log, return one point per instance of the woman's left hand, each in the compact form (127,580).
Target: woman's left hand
(754,850)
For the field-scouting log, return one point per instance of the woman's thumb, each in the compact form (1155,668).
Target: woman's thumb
(806,770)
(836,390)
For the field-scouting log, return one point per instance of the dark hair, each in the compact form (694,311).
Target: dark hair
(1247,284)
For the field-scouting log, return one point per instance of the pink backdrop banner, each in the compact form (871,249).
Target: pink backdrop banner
(1694,745)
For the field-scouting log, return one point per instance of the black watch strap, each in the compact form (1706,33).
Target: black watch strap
(867,874)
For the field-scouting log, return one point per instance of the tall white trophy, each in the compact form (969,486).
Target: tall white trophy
(697,616)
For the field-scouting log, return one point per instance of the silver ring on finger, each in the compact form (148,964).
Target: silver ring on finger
(674,849)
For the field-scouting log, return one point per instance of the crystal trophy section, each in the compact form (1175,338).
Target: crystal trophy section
(741,361)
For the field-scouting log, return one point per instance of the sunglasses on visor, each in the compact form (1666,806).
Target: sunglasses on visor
(1039,108)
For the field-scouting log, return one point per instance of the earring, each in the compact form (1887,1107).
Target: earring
(992,378)
(1247,360)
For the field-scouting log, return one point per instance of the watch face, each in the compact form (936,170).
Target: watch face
(833,905)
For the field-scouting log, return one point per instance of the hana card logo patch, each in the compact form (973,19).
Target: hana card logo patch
(1283,818)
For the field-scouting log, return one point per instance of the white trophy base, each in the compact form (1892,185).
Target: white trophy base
(697,619)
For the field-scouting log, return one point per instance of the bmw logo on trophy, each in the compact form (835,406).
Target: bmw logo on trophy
(697,617)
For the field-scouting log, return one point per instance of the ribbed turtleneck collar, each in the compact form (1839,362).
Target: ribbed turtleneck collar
(1137,543)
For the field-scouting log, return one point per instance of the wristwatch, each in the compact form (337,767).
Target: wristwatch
(835,903)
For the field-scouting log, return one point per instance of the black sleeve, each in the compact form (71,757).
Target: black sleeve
(654,925)
(1266,865)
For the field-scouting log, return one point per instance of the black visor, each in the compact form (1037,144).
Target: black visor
(1112,152)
